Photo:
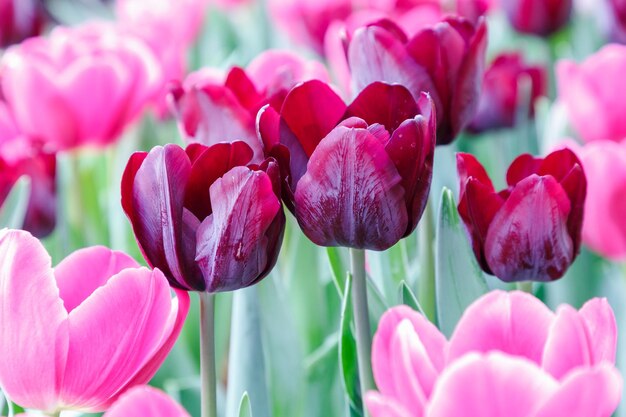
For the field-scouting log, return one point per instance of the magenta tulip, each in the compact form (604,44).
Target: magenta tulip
(203,215)
(501,96)
(509,356)
(358,175)
(591,92)
(446,60)
(537,17)
(145,401)
(78,335)
(211,110)
(20,19)
(532,229)
(474,9)
(79,86)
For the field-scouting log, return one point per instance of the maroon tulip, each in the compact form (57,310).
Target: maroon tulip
(616,22)
(537,17)
(203,216)
(500,98)
(530,231)
(357,175)
(19,19)
(447,61)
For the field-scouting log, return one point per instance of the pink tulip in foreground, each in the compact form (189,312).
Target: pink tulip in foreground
(604,225)
(78,335)
(509,356)
(145,401)
(78,86)
(592,92)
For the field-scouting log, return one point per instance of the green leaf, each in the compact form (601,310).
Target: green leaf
(244,406)
(407,297)
(337,267)
(347,351)
(15,205)
(459,278)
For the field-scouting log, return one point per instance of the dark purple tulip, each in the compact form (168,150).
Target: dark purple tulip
(530,231)
(203,216)
(537,17)
(446,60)
(19,19)
(358,175)
(500,98)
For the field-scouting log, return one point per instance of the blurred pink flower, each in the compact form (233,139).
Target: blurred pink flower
(474,9)
(509,356)
(145,401)
(78,335)
(20,19)
(78,86)
(604,225)
(592,93)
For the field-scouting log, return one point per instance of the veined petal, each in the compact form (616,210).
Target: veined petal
(145,401)
(381,406)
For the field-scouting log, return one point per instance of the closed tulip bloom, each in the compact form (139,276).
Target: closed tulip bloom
(358,175)
(508,356)
(78,335)
(537,17)
(591,92)
(145,401)
(501,95)
(531,230)
(78,86)
(205,216)
(19,19)
(446,60)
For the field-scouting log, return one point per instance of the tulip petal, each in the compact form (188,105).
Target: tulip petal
(232,242)
(102,359)
(102,262)
(33,334)
(381,406)
(523,166)
(494,385)
(145,401)
(515,323)
(602,329)
(351,194)
(518,249)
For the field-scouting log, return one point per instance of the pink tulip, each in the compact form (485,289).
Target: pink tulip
(509,356)
(78,335)
(604,225)
(592,93)
(145,401)
(79,86)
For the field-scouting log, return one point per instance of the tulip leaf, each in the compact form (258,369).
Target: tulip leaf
(244,406)
(458,277)
(348,352)
(408,298)
(337,267)
(14,208)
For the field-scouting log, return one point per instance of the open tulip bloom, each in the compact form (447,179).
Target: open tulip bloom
(530,231)
(78,335)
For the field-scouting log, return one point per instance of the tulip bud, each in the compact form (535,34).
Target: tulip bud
(358,175)
(502,92)
(19,19)
(530,231)
(445,60)
(203,216)
(537,17)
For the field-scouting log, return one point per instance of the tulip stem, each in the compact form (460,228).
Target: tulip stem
(426,247)
(526,286)
(361,321)
(207,355)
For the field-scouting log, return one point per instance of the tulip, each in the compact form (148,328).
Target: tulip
(358,175)
(20,158)
(450,68)
(78,335)
(474,9)
(210,110)
(616,20)
(502,94)
(508,356)
(145,401)
(537,17)
(19,19)
(203,216)
(591,93)
(532,229)
(604,226)
(79,86)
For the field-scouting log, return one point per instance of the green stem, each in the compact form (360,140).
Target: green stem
(207,355)
(361,321)
(426,285)
(526,286)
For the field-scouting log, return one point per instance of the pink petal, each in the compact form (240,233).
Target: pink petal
(145,401)
(380,406)
(101,262)
(33,335)
(601,326)
(515,323)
